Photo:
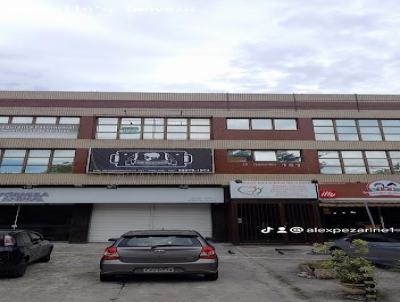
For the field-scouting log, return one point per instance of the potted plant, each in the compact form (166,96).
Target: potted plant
(353,271)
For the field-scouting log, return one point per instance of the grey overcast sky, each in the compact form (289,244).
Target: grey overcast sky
(272,46)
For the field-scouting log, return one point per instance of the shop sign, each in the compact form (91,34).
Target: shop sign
(273,190)
(23,196)
(38,131)
(104,195)
(327,194)
(383,188)
(150,161)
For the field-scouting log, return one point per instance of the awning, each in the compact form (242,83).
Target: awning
(360,202)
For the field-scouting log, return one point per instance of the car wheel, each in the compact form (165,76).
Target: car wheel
(211,277)
(105,278)
(18,272)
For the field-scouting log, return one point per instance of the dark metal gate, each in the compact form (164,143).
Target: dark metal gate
(254,216)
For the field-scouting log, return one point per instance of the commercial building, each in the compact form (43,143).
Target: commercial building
(86,166)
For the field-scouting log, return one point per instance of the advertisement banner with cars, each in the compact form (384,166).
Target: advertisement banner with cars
(104,160)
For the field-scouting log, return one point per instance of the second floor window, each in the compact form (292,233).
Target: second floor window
(36,161)
(153,128)
(264,155)
(260,124)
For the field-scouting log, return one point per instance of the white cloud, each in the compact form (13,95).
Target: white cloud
(238,46)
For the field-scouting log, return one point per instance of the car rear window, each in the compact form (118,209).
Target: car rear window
(2,234)
(159,240)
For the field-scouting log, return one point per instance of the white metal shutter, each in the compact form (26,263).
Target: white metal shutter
(112,220)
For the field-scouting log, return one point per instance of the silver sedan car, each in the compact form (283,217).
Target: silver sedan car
(159,252)
(383,249)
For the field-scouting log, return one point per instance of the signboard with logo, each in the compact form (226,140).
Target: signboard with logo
(273,190)
(150,161)
(383,188)
(38,131)
(328,194)
(104,195)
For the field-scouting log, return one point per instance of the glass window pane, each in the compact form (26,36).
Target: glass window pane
(12,161)
(285,124)
(331,170)
(177,129)
(238,124)
(371,137)
(62,161)
(204,129)
(129,136)
(46,120)
(379,170)
(355,170)
(69,120)
(346,129)
(328,154)
(154,121)
(202,121)
(348,137)
(106,135)
(107,121)
(107,128)
(325,137)
(64,153)
(22,120)
(370,130)
(36,169)
(179,136)
(368,122)
(394,154)
(131,121)
(3,119)
(60,169)
(261,124)
(37,161)
(390,123)
(239,155)
(378,162)
(14,153)
(351,154)
(324,130)
(391,130)
(329,162)
(395,137)
(177,121)
(375,154)
(39,153)
(264,156)
(288,155)
(10,169)
(149,128)
(322,123)
(353,162)
(149,135)
(199,136)
(345,122)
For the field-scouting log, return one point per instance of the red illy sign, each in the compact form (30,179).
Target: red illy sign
(327,194)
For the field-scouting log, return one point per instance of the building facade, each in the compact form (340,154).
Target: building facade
(86,166)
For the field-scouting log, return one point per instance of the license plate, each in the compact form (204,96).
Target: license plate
(158,270)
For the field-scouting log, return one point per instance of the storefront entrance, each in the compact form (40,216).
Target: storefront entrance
(252,217)
(52,221)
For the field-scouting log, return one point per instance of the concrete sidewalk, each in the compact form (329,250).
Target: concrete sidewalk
(247,273)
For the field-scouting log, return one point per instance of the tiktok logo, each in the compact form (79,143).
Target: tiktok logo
(267,230)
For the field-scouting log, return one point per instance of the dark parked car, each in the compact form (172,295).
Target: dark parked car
(18,248)
(383,249)
(159,252)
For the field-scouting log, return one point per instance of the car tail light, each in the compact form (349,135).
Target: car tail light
(208,252)
(111,253)
(9,241)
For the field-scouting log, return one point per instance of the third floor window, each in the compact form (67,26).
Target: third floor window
(137,128)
